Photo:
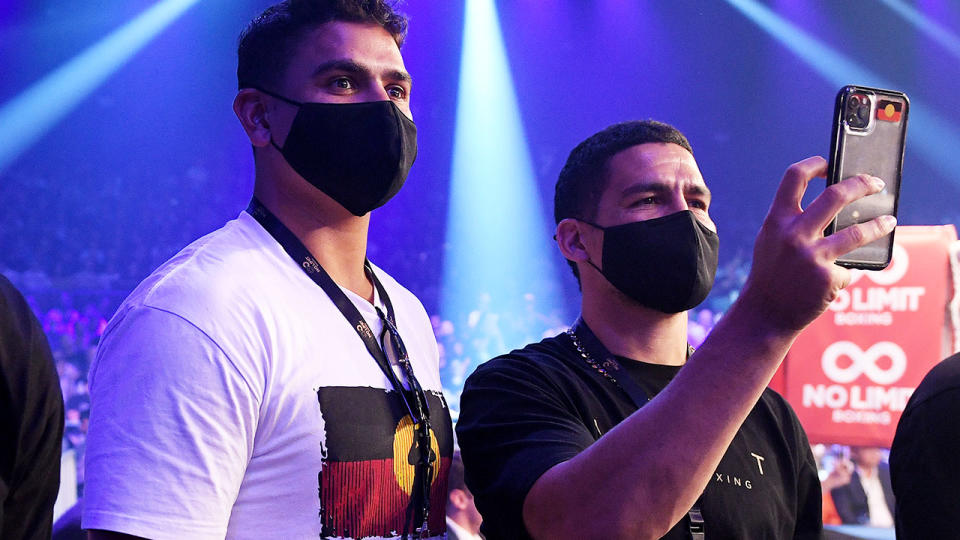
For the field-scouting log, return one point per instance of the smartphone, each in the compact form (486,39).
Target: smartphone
(869,132)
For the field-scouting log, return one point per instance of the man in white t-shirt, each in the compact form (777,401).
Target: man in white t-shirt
(266,382)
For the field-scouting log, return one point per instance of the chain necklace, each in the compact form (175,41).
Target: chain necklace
(590,360)
(604,369)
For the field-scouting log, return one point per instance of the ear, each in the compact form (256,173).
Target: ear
(458,498)
(250,108)
(573,240)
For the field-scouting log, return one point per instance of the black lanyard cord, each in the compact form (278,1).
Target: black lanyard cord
(414,398)
(605,363)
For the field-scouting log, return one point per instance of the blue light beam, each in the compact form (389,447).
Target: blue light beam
(29,115)
(499,246)
(932,28)
(934,140)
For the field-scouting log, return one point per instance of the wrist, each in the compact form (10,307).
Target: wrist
(765,320)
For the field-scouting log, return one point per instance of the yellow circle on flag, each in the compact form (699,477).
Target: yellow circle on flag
(404,444)
(889,110)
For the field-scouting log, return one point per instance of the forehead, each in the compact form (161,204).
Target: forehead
(662,163)
(368,44)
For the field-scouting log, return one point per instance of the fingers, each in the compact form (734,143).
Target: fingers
(855,236)
(825,207)
(794,184)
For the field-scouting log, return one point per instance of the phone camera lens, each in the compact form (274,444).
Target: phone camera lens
(854,101)
(863,113)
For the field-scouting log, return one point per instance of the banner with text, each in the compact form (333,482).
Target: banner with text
(850,373)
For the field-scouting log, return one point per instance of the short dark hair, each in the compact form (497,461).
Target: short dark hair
(584,175)
(268,41)
(455,474)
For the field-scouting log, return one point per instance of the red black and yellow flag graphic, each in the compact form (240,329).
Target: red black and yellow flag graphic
(889,111)
(368,474)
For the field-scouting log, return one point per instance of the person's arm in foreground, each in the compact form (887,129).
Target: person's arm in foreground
(642,477)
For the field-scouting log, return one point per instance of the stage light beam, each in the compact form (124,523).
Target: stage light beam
(498,239)
(29,115)
(939,33)
(932,139)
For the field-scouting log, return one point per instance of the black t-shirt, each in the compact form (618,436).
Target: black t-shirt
(31,421)
(524,412)
(925,457)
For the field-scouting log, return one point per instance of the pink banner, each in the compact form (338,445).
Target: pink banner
(851,372)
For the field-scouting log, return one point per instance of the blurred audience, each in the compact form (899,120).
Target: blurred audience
(463,519)
(867,499)
(834,473)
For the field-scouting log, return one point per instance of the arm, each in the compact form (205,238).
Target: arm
(695,418)
(31,429)
(171,430)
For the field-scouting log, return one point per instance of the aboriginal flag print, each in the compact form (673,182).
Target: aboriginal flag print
(889,111)
(368,472)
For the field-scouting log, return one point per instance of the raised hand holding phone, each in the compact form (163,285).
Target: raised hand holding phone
(869,134)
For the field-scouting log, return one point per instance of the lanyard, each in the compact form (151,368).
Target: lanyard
(605,363)
(415,400)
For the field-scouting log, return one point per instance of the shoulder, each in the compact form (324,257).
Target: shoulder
(214,269)
(210,298)
(541,376)
(25,355)
(944,377)
(548,359)
(779,407)
(232,273)
(924,433)
(781,422)
(16,315)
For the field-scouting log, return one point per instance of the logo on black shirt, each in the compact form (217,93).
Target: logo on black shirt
(735,481)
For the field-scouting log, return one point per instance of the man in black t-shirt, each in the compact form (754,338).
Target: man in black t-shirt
(616,429)
(925,457)
(31,421)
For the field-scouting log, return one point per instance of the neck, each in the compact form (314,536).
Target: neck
(633,331)
(464,522)
(336,238)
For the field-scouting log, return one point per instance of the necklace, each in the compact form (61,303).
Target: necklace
(589,359)
(604,369)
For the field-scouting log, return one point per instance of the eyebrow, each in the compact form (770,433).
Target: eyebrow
(660,187)
(350,66)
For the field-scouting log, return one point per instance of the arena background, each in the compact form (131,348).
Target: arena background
(118,144)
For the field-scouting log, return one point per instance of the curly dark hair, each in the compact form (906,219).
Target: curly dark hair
(269,40)
(584,175)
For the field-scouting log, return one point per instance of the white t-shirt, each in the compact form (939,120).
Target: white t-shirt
(231,398)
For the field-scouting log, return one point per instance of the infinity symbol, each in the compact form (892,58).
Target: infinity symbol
(864,362)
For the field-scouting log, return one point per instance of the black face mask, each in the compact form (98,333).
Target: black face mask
(666,263)
(359,154)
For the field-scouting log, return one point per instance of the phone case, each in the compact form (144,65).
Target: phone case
(869,132)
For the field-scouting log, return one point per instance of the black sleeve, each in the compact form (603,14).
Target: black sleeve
(809,496)
(31,421)
(808,521)
(925,469)
(514,425)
